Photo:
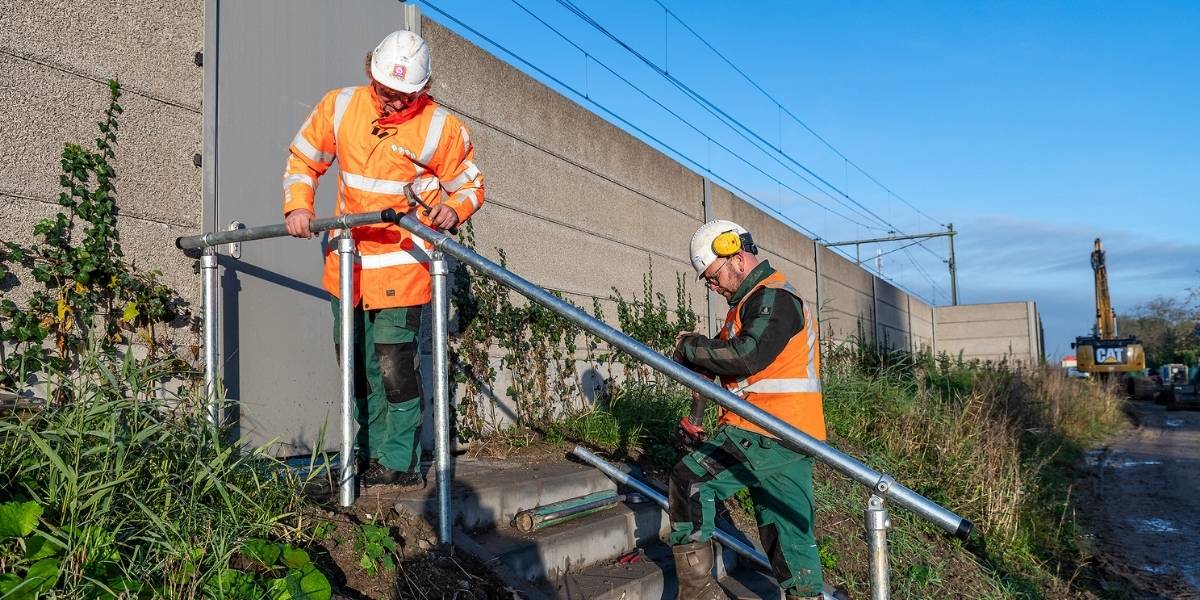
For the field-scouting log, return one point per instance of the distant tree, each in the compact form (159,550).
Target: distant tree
(1169,329)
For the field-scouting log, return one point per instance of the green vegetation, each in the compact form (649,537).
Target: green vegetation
(134,495)
(115,487)
(91,300)
(112,490)
(1169,329)
(995,445)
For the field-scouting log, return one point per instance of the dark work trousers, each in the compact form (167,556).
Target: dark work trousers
(780,484)
(387,384)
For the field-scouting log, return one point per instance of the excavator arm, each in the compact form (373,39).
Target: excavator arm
(1106,319)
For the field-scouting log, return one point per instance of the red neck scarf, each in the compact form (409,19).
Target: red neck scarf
(405,113)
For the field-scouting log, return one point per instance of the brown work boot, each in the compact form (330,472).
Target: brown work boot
(693,569)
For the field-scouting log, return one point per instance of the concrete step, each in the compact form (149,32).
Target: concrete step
(549,554)
(486,493)
(653,577)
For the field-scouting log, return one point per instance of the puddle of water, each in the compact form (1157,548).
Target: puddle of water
(1121,462)
(1174,422)
(1156,526)
(1155,569)
(1092,457)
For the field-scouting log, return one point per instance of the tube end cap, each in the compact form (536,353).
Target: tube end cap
(965,528)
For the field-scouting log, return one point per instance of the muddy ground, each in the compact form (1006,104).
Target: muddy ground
(1142,504)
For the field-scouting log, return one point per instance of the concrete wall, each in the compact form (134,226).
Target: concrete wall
(1004,331)
(579,205)
(54,63)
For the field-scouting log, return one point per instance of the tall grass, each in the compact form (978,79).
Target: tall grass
(991,443)
(137,494)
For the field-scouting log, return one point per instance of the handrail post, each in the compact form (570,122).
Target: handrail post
(876,516)
(441,394)
(208,270)
(348,473)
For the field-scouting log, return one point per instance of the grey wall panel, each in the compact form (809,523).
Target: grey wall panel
(149,44)
(274,61)
(990,332)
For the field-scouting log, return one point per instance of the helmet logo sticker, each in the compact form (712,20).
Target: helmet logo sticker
(398,71)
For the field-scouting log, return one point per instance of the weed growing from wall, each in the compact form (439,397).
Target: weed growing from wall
(542,351)
(91,300)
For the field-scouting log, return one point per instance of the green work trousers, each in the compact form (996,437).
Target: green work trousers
(780,484)
(387,384)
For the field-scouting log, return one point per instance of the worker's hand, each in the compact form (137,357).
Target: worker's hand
(690,434)
(443,217)
(297,223)
(677,353)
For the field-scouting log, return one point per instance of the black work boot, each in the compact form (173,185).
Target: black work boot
(693,569)
(381,475)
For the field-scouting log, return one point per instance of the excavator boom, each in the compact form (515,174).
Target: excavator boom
(1103,352)
(1106,320)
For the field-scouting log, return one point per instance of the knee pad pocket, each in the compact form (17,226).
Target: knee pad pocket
(398,367)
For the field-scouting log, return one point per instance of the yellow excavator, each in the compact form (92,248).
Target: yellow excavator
(1103,352)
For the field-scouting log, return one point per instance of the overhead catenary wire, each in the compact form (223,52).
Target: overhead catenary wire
(703,101)
(587,55)
(661,143)
(793,116)
(728,121)
(924,273)
(669,148)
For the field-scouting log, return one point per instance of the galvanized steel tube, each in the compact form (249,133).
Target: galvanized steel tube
(624,479)
(876,516)
(216,238)
(441,394)
(208,269)
(346,343)
(796,439)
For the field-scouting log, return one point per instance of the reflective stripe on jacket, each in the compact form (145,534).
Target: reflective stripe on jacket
(432,150)
(790,387)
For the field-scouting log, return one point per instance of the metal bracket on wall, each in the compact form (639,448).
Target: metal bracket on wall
(234,250)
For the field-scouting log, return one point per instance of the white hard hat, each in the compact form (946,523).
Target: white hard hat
(705,252)
(401,62)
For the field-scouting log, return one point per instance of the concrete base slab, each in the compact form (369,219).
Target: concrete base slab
(486,493)
(550,553)
(651,577)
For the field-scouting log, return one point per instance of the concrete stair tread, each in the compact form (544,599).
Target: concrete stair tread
(653,578)
(486,493)
(549,553)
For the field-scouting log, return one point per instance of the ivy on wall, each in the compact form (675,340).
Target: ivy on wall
(542,351)
(88,299)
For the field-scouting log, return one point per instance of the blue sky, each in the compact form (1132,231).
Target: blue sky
(1034,127)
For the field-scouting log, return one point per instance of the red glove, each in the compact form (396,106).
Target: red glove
(690,434)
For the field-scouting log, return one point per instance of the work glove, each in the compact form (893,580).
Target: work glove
(689,435)
(680,341)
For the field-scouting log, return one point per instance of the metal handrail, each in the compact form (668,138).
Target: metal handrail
(882,486)
(262,232)
(346,250)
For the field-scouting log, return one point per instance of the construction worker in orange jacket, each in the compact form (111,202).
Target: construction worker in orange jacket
(767,353)
(385,135)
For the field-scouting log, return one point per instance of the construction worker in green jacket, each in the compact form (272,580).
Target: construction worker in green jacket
(767,353)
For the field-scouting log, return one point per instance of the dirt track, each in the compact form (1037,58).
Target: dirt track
(1145,503)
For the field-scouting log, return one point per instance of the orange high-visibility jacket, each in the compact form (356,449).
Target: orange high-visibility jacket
(790,387)
(431,150)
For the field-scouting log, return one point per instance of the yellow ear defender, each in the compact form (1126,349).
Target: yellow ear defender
(727,244)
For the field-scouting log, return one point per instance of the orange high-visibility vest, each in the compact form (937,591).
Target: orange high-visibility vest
(790,387)
(432,150)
